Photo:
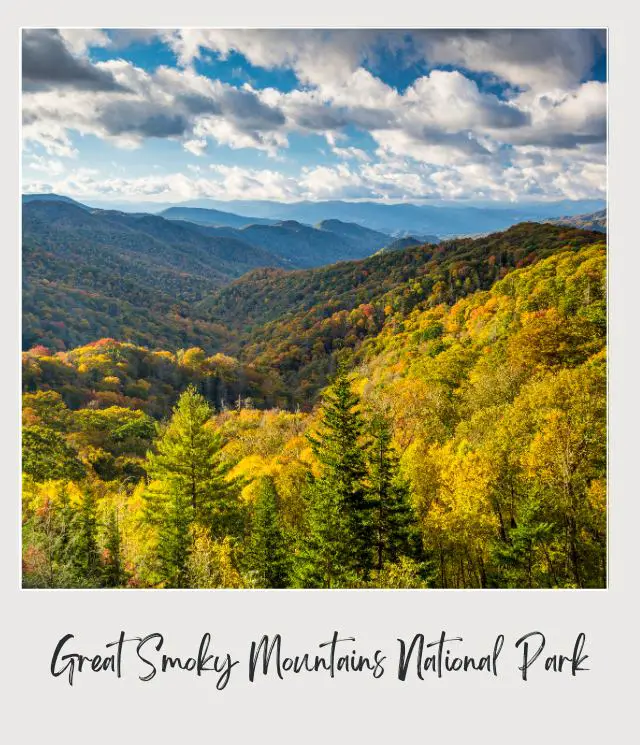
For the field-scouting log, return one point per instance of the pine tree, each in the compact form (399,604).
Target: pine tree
(84,542)
(267,558)
(175,538)
(325,556)
(189,486)
(337,550)
(392,518)
(113,571)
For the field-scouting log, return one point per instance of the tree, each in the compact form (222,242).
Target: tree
(325,556)
(392,517)
(113,570)
(84,546)
(189,485)
(213,563)
(48,536)
(267,558)
(337,549)
(46,455)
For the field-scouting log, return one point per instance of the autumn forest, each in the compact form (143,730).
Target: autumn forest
(197,414)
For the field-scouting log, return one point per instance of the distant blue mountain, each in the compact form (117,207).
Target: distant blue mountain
(303,245)
(216,218)
(437,218)
(27,198)
(401,243)
(443,219)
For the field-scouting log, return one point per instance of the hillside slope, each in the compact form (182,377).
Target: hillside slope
(494,409)
(401,219)
(591,221)
(302,246)
(91,273)
(298,321)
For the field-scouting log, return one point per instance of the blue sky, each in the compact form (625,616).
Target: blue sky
(173,115)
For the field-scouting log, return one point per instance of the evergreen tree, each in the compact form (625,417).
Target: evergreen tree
(189,486)
(337,550)
(113,572)
(175,538)
(267,558)
(392,518)
(325,556)
(84,544)
(187,462)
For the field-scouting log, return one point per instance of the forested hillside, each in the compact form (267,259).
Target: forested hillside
(296,322)
(461,441)
(88,274)
(303,246)
(214,218)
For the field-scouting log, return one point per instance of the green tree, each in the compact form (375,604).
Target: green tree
(84,541)
(392,518)
(189,485)
(337,550)
(267,556)
(48,542)
(46,455)
(113,571)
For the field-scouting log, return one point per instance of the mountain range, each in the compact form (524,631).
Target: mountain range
(591,221)
(444,219)
(137,276)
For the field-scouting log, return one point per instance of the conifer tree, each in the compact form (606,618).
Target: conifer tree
(62,520)
(84,543)
(175,537)
(113,572)
(325,553)
(337,550)
(392,518)
(267,558)
(189,485)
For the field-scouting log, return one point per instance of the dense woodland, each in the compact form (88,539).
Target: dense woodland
(89,274)
(433,417)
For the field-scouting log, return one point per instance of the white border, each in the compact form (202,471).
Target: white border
(349,709)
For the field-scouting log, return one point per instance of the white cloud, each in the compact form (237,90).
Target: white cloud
(351,153)
(530,58)
(166,104)
(564,119)
(79,39)
(442,136)
(531,172)
(50,166)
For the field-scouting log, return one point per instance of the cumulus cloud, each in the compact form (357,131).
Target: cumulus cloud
(164,104)
(50,166)
(444,134)
(530,58)
(564,119)
(47,62)
(528,172)
(80,39)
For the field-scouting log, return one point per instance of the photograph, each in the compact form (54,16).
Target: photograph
(313,308)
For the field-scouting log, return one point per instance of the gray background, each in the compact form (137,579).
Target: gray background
(179,707)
